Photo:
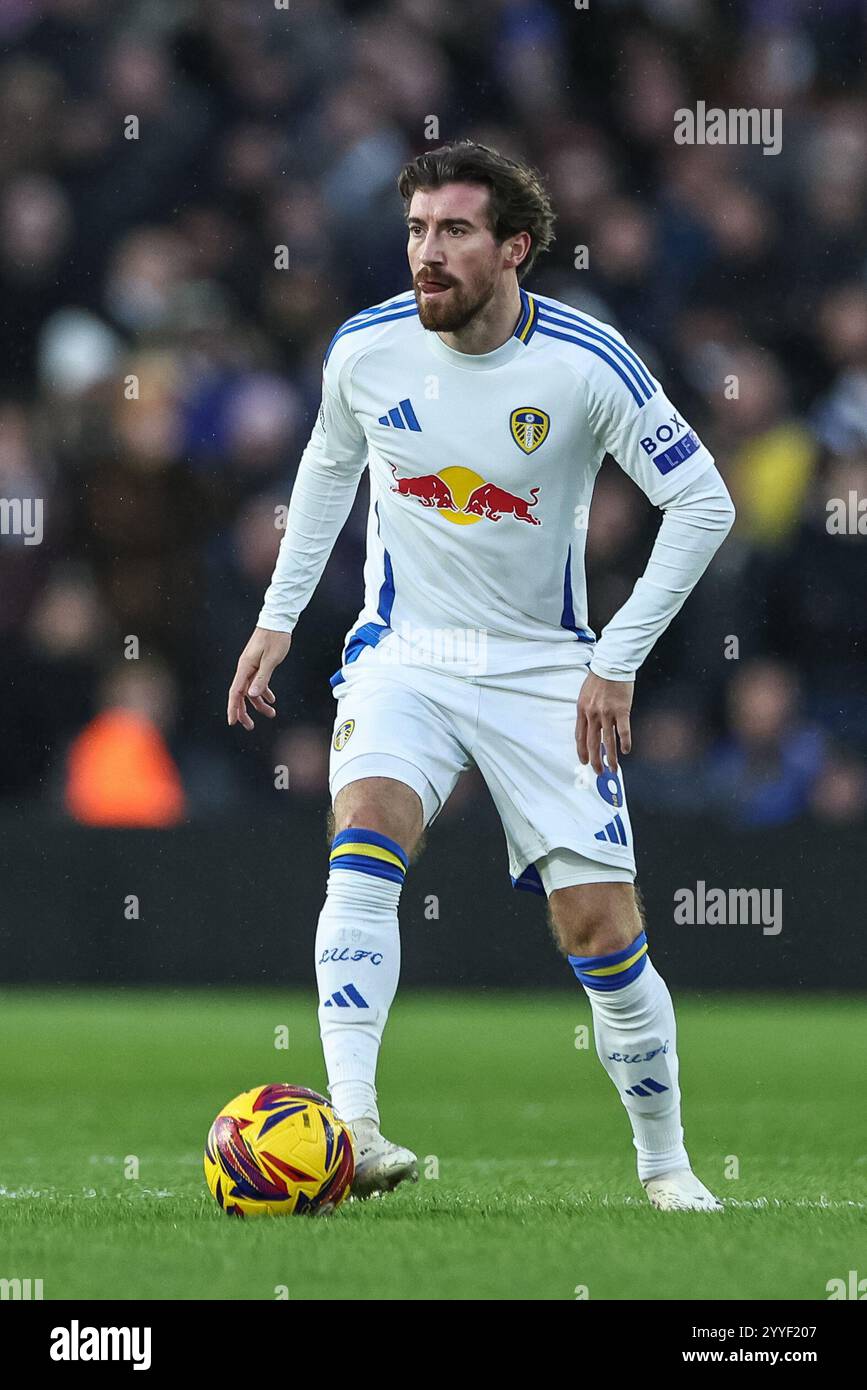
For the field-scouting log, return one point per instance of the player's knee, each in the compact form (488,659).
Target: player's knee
(380,804)
(595,919)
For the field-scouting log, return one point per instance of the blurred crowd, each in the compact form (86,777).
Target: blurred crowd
(160,373)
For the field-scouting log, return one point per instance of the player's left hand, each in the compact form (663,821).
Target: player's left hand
(603,718)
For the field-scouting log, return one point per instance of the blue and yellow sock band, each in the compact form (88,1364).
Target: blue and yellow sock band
(368,852)
(614,971)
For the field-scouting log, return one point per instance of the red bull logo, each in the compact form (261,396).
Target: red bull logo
(493,501)
(463,497)
(430,489)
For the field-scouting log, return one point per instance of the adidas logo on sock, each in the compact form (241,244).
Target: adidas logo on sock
(614,831)
(652,1087)
(345,997)
(402,417)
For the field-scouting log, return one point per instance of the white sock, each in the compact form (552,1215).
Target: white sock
(358,964)
(636,1039)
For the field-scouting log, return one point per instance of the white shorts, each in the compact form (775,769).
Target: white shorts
(424,726)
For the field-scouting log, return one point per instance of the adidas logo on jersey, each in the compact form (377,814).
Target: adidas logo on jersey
(345,997)
(402,417)
(614,831)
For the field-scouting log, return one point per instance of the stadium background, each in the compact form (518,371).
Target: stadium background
(154,258)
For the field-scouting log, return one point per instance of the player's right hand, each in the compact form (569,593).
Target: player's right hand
(256,664)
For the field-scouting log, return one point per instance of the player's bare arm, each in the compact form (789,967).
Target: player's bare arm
(256,665)
(603,718)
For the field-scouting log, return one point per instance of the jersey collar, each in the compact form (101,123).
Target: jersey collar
(486,361)
(526,325)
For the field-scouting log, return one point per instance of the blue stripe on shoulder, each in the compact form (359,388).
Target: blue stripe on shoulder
(637,396)
(387,306)
(636,368)
(372,318)
(603,330)
(563,317)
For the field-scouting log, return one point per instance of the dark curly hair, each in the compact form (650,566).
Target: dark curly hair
(518,201)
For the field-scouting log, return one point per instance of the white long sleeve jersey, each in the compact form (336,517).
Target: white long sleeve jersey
(482,470)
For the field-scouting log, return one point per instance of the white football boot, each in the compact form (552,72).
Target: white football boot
(379,1164)
(680,1191)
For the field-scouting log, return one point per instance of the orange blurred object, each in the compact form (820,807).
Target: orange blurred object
(120,772)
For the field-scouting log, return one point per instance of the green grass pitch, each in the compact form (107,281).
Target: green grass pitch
(536,1194)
